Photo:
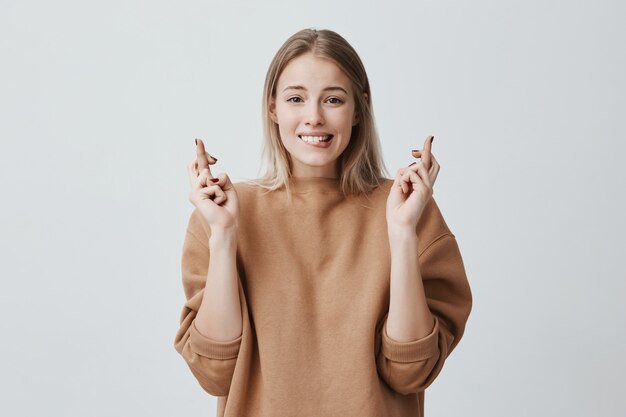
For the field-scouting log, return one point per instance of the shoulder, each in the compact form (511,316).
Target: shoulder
(385,184)
(249,191)
(198,227)
(247,186)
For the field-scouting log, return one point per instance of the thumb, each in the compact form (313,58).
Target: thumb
(228,185)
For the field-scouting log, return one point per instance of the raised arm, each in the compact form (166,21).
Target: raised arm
(430,298)
(211,322)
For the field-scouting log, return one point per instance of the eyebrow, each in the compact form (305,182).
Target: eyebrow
(299,87)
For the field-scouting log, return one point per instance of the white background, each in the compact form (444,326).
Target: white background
(99,106)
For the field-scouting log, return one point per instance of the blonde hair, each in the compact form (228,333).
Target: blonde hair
(360,166)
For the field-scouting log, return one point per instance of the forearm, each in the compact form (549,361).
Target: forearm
(409,316)
(219,315)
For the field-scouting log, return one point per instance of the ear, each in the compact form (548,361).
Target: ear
(272,110)
(356,116)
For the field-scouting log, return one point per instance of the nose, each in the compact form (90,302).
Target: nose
(314,115)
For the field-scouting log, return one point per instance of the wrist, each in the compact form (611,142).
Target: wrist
(401,235)
(401,231)
(221,237)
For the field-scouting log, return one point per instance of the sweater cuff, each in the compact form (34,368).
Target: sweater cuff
(210,348)
(413,351)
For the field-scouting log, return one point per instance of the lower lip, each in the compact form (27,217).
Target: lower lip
(318,144)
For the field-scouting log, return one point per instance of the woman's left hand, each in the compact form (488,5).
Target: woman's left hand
(411,190)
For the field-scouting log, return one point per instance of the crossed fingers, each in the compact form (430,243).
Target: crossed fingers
(200,165)
(203,158)
(425,171)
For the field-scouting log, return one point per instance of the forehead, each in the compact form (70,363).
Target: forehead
(313,73)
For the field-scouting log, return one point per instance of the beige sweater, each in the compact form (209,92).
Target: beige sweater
(314,284)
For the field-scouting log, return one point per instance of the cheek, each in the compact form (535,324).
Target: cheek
(346,119)
(286,131)
(284,116)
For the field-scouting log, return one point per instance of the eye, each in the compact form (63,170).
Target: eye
(292,98)
(335,100)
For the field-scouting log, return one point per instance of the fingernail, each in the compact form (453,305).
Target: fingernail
(196,140)
(415,150)
(413,163)
(215,179)
(431,139)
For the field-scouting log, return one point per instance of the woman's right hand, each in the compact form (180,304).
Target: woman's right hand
(215,197)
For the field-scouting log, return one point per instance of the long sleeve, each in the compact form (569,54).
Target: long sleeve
(211,362)
(410,367)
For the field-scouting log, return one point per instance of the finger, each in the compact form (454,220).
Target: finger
(198,177)
(412,180)
(417,181)
(204,158)
(433,160)
(213,192)
(412,167)
(434,170)
(426,160)
(193,166)
(396,180)
(204,179)
(220,199)
(223,181)
(423,174)
(203,162)
(192,171)
(406,175)
(219,180)
(433,163)
(415,167)
(212,160)
(205,193)
(400,181)
(227,183)
(219,196)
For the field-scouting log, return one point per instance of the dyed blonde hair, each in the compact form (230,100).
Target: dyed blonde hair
(360,166)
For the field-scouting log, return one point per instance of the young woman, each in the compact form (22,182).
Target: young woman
(321,288)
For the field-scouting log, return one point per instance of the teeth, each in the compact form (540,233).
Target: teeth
(316,138)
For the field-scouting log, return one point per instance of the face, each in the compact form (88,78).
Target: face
(315,111)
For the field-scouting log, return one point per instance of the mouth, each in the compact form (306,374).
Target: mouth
(316,139)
